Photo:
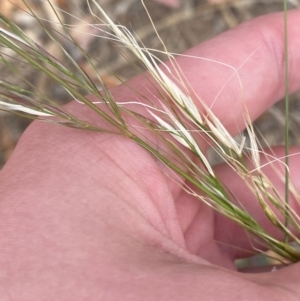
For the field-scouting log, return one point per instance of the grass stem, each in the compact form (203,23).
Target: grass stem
(287,115)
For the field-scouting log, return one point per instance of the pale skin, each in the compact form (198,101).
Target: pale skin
(89,216)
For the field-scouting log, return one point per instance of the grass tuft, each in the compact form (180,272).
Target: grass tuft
(176,120)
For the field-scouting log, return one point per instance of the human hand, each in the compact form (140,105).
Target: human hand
(89,216)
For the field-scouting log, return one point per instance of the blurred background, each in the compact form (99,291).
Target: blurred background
(180,23)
